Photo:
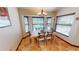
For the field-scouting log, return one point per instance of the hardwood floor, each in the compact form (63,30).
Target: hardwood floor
(56,45)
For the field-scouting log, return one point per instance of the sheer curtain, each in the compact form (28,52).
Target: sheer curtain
(26,23)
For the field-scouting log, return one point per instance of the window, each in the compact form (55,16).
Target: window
(38,23)
(26,23)
(4,17)
(64,23)
(48,24)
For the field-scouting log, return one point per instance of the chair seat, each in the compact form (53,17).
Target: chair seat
(48,37)
(41,39)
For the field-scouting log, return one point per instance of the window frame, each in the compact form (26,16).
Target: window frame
(57,20)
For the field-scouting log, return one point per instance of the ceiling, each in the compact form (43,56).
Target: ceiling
(47,9)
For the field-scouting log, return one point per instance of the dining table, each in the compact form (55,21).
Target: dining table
(34,35)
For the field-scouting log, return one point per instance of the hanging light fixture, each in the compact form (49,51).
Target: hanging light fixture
(42,13)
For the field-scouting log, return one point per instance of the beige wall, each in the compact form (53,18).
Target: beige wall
(11,36)
(74,33)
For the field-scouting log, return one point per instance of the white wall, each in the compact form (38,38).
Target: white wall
(74,33)
(11,36)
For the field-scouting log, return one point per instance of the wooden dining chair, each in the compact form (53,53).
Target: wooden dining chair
(48,37)
(41,38)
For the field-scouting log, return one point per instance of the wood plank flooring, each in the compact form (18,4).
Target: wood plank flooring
(56,45)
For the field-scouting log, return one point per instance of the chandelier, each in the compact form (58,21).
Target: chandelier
(42,13)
